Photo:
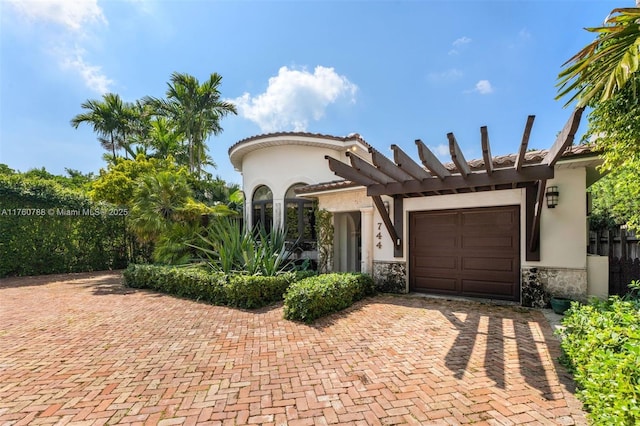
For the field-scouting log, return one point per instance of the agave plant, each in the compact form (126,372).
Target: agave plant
(230,248)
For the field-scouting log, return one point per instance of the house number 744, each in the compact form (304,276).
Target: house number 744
(379,236)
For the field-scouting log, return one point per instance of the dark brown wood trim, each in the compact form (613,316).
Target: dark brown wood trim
(530,211)
(565,138)
(534,241)
(398,224)
(377,201)
(457,157)
(368,170)
(486,150)
(430,161)
(388,167)
(454,183)
(408,165)
(525,142)
(347,172)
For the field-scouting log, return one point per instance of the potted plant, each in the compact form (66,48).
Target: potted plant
(560,304)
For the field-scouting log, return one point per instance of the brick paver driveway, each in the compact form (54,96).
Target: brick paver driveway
(82,349)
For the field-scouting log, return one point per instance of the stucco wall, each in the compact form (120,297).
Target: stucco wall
(563,230)
(279,167)
(598,276)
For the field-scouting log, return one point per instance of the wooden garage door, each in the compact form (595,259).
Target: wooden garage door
(467,252)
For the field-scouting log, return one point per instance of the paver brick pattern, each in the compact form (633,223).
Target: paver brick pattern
(82,349)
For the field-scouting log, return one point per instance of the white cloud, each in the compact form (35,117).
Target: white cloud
(461,41)
(448,75)
(483,87)
(70,14)
(524,34)
(92,75)
(441,151)
(457,43)
(294,97)
(63,24)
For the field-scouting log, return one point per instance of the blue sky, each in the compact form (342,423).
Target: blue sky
(393,71)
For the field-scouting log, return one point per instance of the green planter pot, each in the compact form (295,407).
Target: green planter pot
(560,304)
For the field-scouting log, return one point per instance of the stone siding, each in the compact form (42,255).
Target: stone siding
(390,277)
(562,282)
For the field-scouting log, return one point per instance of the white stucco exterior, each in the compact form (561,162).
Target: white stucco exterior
(361,238)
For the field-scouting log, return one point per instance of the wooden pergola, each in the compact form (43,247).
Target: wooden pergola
(403,177)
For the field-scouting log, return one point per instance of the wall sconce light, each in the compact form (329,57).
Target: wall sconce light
(552,196)
(386,206)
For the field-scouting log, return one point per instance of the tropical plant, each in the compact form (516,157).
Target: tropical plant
(604,66)
(196,110)
(111,119)
(605,76)
(228,247)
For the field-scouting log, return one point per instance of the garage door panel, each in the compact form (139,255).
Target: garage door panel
(436,284)
(438,262)
(488,242)
(496,217)
(493,264)
(474,252)
(438,219)
(445,245)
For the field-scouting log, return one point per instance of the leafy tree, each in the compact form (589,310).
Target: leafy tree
(111,119)
(604,66)
(605,76)
(616,199)
(6,170)
(164,212)
(117,183)
(196,110)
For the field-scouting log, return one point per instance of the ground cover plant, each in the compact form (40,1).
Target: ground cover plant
(601,345)
(314,297)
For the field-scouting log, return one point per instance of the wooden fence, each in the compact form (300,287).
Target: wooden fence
(624,256)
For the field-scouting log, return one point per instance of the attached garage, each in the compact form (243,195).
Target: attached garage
(466,252)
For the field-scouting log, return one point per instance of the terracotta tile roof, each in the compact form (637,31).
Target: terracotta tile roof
(326,186)
(352,136)
(501,161)
(531,157)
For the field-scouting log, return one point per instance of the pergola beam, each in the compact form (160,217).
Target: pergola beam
(384,214)
(457,156)
(486,150)
(455,183)
(535,226)
(388,167)
(347,172)
(525,142)
(368,170)
(405,163)
(564,139)
(431,162)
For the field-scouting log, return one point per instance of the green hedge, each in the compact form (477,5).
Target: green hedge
(244,291)
(601,345)
(314,297)
(46,229)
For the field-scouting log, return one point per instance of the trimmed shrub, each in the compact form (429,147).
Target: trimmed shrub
(243,291)
(191,282)
(255,291)
(601,346)
(314,297)
(48,229)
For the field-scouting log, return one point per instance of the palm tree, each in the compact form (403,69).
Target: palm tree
(196,110)
(111,119)
(603,67)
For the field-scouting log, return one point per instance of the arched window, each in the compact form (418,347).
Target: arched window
(262,204)
(300,218)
